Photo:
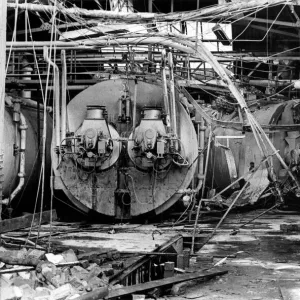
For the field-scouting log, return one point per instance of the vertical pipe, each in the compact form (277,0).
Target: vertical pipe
(71,66)
(26,70)
(23,128)
(172,92)
(120,114)
(134,108)
(56,95)
(201,139)
(63,95)
(165,88)
(75,65)
(38,121)
(150,9)
(3,10)
(26,23)
(197,26)
(57,106)
(127,108)
(203,188)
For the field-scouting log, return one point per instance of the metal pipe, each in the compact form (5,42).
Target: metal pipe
(172,92)
(165,88)
(23,127)
(134,108)
(56,95)
(201,139)
(69,88)
(127,108)
(201,142)
(63,95)
(26,70)
(203,188)
(120,108)
(33,104)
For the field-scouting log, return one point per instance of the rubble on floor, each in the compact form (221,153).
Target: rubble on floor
(34,274)
(51,276)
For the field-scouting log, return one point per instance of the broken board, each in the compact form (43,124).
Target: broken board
(26,221)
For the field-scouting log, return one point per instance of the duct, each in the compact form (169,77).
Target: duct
(56,95)
(23,127)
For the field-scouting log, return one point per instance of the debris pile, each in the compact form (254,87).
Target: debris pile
(35,274)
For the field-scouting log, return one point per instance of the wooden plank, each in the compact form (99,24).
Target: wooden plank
(25,221)
(133,289)
(25,269)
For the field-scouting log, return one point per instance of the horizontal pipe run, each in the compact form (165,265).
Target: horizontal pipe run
(33,104)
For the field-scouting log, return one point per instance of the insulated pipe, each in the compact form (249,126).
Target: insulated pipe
(56,95)
(63,95)
(23,127)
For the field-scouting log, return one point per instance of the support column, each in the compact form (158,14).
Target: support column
(3,11)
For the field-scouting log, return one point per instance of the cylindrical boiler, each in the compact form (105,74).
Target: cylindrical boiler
(236,152)
(119,169)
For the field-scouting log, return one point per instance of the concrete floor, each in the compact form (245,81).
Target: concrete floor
(266,265)
(263,260)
